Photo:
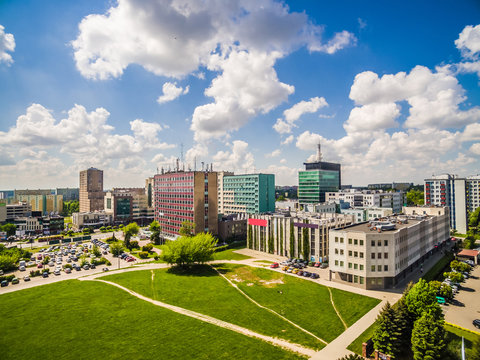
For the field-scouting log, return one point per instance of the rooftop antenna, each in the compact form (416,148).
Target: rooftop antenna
(319,152)
(178,164)
(181,152)
(194,163)
(202,164)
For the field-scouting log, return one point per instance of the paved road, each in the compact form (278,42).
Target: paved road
(468,306)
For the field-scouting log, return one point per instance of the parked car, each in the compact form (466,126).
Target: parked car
(475,322)
(45,275)
(105,269)
(86,267)
(56,272)
(324,266)
(317,264)
(26,278)
(300,272)
(22,268)
(92,266)
(290,270)
(440,300)
(295,271)
(15,281)
(39,266)
(68,270)
(4,283)
(274,265)
(314,276)
(285,268)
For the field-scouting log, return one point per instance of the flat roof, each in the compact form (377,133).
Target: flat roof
(467,252)
(363,227)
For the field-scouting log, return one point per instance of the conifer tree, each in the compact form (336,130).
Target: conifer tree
(387,335)
(428,338)
(292,241)
(249,237)
(281,239)
(306,245)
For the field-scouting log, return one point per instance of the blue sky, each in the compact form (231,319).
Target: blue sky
(391,92)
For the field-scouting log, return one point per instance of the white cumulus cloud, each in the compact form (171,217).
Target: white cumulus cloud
(171,91)
(238,159)
(7,44)
(294,113)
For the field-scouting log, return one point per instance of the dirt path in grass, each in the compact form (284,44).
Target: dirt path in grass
(274,341)
(334,308)
(268,309)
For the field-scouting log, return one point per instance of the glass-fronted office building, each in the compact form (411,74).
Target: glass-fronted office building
(317,179)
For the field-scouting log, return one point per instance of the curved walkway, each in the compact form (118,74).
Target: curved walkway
(335,308)
(268,309)
(274,341)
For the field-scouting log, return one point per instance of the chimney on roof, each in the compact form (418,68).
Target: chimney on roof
(319,152)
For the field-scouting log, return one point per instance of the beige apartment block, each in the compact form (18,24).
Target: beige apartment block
(91,190)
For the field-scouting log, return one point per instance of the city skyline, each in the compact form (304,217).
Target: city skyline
(392,93)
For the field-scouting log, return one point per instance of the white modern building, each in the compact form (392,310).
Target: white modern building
(380,254)
(368,198)
(367,214)
(461,195)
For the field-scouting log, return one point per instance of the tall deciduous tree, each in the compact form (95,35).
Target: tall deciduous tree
(9,229)
(306,245)
(292,241)
(422,298)
(281,238)
(249,237)
(387,335)
(428,338)
(189,250)
(155,229)
(270,241)
(129,231)
(187,228)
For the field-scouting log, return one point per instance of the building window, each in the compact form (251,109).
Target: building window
(355,278)
(341,251)
(341,263)
(361,242)
(336,262)
(341,240)
(355,266)
(349,252)
(355,242)
(372,268)
(373,242)
(336,239)
(385,255)
(385,242)
(349,265)
(373,255)
(379,243)
(349,241)
(361,255)
(385,267)
(379,255)
(361,266)
(355,253)
(336,251)
(379,267)
(361,279)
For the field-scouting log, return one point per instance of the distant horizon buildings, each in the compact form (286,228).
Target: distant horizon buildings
(318,178)
(460,194)
(91,190)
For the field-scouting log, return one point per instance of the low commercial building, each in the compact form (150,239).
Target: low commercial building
(285,233)
(368,198)
(379,254)
(18,210)
(28,226)
(94,219)
(232,227)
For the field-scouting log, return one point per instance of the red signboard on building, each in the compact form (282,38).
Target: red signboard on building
(257,222)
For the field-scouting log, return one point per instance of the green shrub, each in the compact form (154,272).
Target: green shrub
(34,273)
(69,266)
(134,245)
(143,254)
(7,277)
(147,247)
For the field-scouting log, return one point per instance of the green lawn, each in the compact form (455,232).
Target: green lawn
(229,255)
(263,261)
(91,320)
(304,302)
(204,291)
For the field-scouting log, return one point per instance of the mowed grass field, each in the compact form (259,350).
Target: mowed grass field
(206,292)
(91,320)
(304,302)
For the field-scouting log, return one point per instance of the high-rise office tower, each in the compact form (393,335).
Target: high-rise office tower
(91,190)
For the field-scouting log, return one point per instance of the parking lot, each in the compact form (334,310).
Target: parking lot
(65,262)
(466,305)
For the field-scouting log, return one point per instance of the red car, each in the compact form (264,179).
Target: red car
(39,266)
(317,264)
(274,265)
(130,259)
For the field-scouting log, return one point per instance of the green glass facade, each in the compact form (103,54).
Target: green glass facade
(123,207)
(312,185)
(254,191)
